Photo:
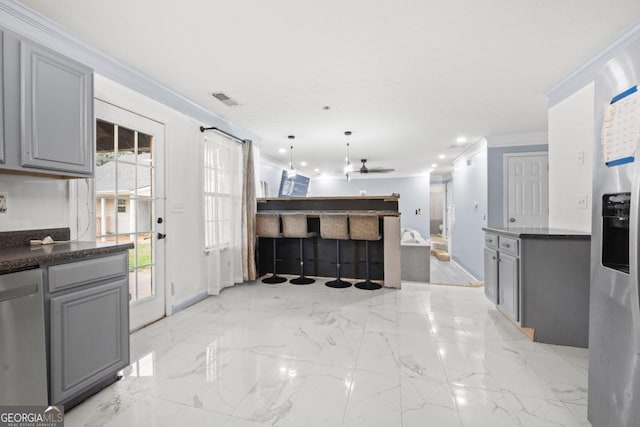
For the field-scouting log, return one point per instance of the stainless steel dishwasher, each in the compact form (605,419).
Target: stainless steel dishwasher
(23,359)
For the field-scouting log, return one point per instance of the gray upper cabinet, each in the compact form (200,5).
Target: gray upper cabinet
(1,103)
(48,110)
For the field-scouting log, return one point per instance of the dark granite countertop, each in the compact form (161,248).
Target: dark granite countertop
(21,257)
(17,254)
(539,233)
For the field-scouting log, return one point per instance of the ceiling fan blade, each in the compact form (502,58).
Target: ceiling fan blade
(380,170)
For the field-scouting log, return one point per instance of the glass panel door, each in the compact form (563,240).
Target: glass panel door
(130,202)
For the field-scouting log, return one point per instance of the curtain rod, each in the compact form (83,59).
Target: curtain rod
(235,138)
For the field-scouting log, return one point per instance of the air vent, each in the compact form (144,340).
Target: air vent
(224,99)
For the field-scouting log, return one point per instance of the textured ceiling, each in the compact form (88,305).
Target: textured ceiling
(407,77)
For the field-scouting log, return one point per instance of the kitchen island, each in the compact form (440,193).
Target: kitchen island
(539,278)
(320,253)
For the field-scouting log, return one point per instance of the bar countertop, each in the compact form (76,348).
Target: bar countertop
(539,233)
(390,198)
(317,213)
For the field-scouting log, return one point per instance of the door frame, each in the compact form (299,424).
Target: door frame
(505,179)
(138,321)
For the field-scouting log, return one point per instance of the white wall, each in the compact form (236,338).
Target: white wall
(34,202)
(570,132)
(414,195)
(470,205)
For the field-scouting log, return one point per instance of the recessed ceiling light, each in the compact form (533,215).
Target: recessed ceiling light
(434,165)
(282,150)
(303,163)
(461,139)
(441,156)
(316,170)
(430,170)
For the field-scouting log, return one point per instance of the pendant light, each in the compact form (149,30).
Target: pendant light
(292,170)
(348,167)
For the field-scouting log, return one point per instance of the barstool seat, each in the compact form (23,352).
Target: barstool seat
(295,226)
(335,226)
(268,225)
(365,227)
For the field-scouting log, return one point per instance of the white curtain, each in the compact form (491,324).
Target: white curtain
(222,196)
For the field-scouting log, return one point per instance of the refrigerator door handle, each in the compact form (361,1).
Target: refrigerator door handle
(634,217)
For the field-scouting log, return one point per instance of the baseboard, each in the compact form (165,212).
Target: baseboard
(196,299)
(529,332)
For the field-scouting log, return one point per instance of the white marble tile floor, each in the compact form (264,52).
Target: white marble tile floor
(296,356)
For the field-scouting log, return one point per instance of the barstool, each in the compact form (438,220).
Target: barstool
(268,225)
(295,225)
(365,227)
(335,226)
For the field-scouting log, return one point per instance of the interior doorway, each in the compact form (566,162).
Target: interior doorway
(442,269)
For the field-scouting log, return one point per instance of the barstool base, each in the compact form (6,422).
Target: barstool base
(368,285)
(338,283)
(274,279)
(302,281)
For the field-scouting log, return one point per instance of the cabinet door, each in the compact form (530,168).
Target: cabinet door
(2,149)
(56,102)
(491,274)
(89,337)
(508,287)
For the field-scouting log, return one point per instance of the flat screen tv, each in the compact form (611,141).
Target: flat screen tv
(295,186)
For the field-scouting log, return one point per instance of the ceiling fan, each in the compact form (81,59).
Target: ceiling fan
(365,169)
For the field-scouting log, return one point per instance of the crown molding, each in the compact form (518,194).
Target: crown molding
(470,152)
(586,73)
(510,140)
(19,18)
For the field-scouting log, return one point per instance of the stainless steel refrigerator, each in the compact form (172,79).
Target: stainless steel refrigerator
(614,308)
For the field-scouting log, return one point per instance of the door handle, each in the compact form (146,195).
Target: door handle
(512,220)
(161,236)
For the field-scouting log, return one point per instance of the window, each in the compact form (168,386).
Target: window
(122,206)
(222,191)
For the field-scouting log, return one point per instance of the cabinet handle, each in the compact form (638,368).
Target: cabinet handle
(489,241)
(493,258)
(506,245)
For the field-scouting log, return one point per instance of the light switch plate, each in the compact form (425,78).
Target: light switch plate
(581,201)
(177,207)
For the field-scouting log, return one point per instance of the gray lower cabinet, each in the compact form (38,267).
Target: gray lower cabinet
(509,287)
(88,325)
(491,274)
(48,123)
(502,273)
(542,282)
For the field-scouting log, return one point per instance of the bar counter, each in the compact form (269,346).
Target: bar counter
(320,253)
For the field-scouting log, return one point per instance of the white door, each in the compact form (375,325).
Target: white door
(129,196)
(526,190)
